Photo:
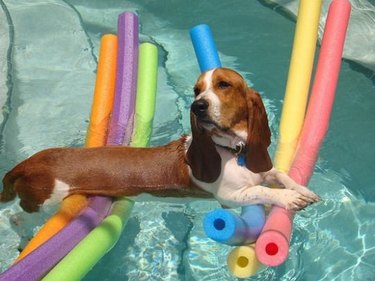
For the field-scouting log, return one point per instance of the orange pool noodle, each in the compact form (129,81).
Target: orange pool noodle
(104,92)
(70,208)
(96,136)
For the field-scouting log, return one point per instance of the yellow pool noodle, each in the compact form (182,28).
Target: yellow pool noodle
(242,261)
(101,108)
(299,76)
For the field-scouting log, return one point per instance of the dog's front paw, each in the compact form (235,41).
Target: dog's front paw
(310,196)
(292,200)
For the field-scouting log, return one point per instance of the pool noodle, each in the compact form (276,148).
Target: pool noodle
(297,87)
(313,132)
(79,261)
(128,28)
(101,108)
(105,83)
(204,47)
(243,262)
(146,94)
(99,200)
(123,110)
(39,261)
(323,91)
(47,248)
(208,58)
(69,209)
(227,227)
(67,269)
(292,116)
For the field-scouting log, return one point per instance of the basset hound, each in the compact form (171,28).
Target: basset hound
(225,157)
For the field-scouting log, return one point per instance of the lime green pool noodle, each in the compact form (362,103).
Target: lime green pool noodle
(104,237)
(77,263)
(146,94)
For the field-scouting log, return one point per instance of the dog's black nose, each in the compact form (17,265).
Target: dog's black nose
(199,107)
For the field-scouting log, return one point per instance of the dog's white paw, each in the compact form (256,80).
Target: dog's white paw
(293,200)
(310,196)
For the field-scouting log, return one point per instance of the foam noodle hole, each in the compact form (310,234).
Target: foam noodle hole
(219,224)
(272,249)
(243,261)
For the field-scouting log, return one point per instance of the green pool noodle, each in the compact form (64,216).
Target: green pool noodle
(105,236)
(99,242)
(146,94)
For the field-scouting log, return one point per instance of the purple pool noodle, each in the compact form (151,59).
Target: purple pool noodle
(41,260)
(126,80)
(99,203)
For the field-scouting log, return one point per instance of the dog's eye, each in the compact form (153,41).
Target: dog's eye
(223,85)
(197,91)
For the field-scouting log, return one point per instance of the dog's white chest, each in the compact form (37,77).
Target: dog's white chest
(233,177)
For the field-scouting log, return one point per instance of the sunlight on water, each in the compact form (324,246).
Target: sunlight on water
(49,56)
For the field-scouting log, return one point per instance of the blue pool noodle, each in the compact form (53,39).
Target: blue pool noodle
(229,228)
(204,47)
(223,225)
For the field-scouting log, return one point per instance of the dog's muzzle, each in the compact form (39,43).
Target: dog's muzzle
(200,108)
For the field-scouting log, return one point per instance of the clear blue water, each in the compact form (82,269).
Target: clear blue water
(48,61)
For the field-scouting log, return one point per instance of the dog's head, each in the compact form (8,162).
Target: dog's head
(228,113)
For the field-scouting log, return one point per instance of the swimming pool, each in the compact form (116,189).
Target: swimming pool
(52,62)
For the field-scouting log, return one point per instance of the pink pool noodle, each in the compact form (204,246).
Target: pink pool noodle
(322,93)
(272,246)
(121,123)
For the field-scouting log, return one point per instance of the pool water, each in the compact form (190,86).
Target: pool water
(48,59)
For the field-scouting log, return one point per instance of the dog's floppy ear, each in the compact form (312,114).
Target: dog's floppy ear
(202,157)
(259,134)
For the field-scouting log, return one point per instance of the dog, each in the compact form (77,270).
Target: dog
(225,157)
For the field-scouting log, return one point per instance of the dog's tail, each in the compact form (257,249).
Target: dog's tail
(8,193)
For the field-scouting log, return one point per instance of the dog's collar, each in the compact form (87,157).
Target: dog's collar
(241,148)
(240,152)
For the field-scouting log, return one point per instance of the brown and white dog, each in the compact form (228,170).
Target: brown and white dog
(229,125)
